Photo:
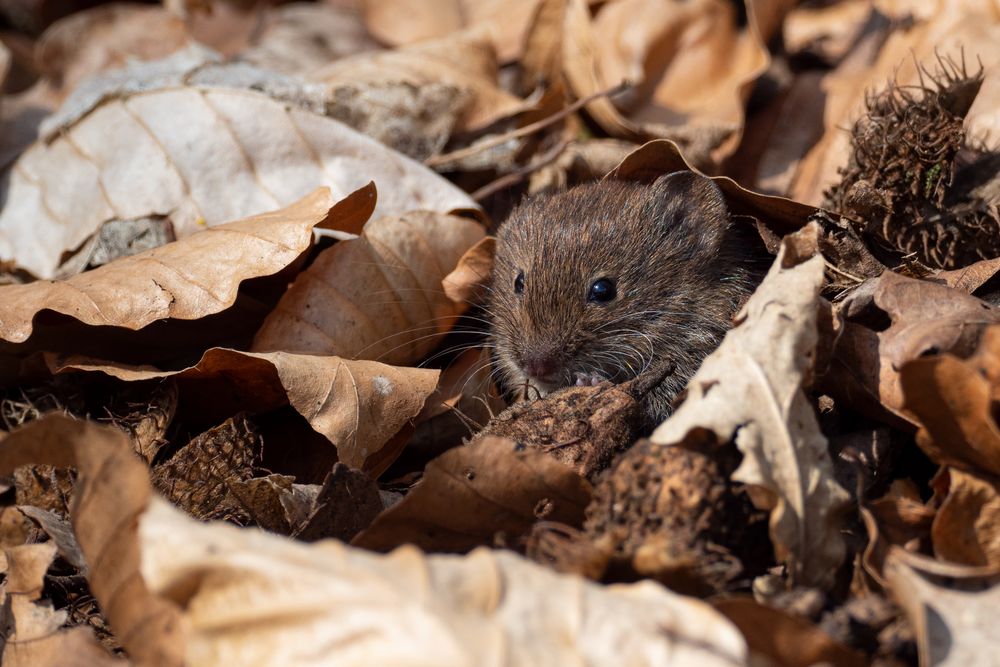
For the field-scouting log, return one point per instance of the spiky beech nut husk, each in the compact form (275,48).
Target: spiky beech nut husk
(584,427)
(672,514)
(902,183)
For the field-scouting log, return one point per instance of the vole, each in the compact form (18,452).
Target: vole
(609,280)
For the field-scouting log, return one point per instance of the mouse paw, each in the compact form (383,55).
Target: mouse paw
(589,379)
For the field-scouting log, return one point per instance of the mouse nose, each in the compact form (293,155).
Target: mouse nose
(540,364)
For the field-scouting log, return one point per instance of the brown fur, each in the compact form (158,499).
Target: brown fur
(681,270)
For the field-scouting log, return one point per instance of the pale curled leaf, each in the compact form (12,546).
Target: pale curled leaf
(362,407)
(750,389)
(187,279)
(201,156)
(251,598)
(379,296)
(409,609)
(952,608)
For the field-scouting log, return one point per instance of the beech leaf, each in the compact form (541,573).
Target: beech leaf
(751,390)
(379,296)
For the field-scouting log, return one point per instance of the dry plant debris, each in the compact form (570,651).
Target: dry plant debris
(248,409)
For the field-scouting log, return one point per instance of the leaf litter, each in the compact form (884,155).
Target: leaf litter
(248,400)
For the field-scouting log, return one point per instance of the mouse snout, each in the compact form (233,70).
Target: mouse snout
(541,363)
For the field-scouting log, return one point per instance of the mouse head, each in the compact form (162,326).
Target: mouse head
(609,279)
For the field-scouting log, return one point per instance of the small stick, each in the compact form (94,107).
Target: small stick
(514,177)
(437,160)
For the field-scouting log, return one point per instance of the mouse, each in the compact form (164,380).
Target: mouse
(611,280)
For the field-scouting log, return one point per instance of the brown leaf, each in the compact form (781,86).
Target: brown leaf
(298,37)
(970,278)
(925,318)
(471,494)
(692,64)
(367,608)
(826,31)
(210,152)
(397,22)
(966,529)
(188,279)
(379,296)
(34,631)
(470,277)
(362,407)
(953,399)
(750,389)
(105,38)
(266,500)
(104,514)
(464,61)
(893,522)
(786,640)
(656,158)
(951,608)
(346,504)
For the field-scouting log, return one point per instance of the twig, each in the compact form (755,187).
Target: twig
(514,177)
(438,160)
(843,273)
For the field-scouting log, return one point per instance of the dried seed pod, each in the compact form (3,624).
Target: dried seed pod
(672,513)
(904,185)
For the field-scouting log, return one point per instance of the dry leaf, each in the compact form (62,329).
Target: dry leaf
(346,503)
(200,156)
(105,38)
(826,31)
(952,609)
(893,522)
(953,399)
(60,532)
(34,634)
(925,318)
(149,627)
(362,407)
(474,493)
(464,62)
(379,296)
(403,609)
(691,62)
(398,22)
(299,37)
(966,529)
(656,158)
(789,641)
(187,280)
(750,389)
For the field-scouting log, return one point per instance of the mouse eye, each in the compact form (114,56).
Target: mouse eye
(602,291)
(519,283)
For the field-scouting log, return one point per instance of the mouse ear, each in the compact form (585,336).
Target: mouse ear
(693,204)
